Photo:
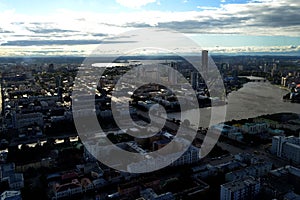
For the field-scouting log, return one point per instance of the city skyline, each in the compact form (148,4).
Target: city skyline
(221,26)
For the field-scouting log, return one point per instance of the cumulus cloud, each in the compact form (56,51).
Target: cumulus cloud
(259,17)
(134,3)
(256,17)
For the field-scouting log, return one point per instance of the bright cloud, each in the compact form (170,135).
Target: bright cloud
(65,27)
(134,3)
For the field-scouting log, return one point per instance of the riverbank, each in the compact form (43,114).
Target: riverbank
(252,100)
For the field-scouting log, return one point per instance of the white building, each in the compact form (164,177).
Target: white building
(188,157)
(286,147)
(225,130)
(241,189)
(172,75)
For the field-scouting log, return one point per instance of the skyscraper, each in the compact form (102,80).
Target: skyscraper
(204,62)
(194,80)
(172,75)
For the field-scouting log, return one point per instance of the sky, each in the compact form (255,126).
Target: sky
(76,27)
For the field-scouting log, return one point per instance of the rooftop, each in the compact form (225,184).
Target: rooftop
(240,184)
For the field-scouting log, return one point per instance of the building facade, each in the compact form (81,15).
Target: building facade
(257,170)
(239,190)
(287,148)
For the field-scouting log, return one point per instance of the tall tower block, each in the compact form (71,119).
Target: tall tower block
(204,63)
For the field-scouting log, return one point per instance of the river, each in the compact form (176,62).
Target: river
(252,100)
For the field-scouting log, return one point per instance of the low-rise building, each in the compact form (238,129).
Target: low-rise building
(86,184)
(8,174)
(230,166)
(282,181)
(204,171)
(255,128)
(231,132)
(11,195)
(291,196)
(247,158)
(24,120)
(191,155)
(149,194)
(242,189)
(257,170)
(224,129)
(67,190)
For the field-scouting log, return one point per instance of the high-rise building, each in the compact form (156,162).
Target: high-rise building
(242,189)
(51,68)
(151,74)
(205,62)
(194,80)
(172,75)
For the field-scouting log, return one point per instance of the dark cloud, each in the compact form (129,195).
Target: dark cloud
(240,17)
(99,34)
(195,25)
(282,16)
(138,25)
(50,30)
(203,26)
(42,23)
(5,31)
(256,17)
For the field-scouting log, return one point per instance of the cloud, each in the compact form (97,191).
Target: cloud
(263,17)
(137,25)
(255,17)
(50,30)
(207,8)
(275,50)
(83,50)
(59,42)
(134,3)
(99,34)
(5,31)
